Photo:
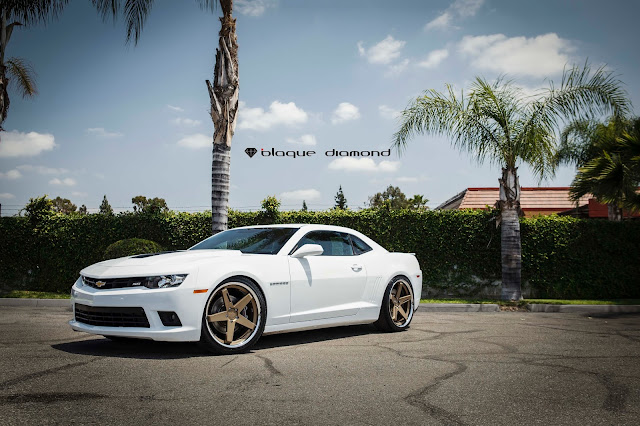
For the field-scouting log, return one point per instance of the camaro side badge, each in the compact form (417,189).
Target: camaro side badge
(280,283)
(100,284)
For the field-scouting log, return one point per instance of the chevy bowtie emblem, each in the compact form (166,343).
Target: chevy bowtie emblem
(251,152)
(100,284)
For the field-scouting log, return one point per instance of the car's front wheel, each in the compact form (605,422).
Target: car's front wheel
(396,311)
(234,317)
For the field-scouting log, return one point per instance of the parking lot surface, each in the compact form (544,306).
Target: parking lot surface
(503,368)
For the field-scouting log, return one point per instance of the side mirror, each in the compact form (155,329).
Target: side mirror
(308,250)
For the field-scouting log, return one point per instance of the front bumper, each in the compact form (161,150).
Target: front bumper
(181,300)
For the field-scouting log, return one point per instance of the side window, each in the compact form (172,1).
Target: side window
(359,246)
(333,243)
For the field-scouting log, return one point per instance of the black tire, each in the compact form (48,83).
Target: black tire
(386,321)
(214,334)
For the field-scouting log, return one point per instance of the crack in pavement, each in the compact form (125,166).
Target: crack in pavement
(418,398)
(24,378)
(269,364)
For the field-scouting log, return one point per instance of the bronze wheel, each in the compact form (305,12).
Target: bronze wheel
(397,308)
(400,300)
(233,317)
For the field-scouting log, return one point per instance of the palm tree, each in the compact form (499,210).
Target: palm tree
(612,172)
(223,94)
(16,13)
(497,122)
(224,109)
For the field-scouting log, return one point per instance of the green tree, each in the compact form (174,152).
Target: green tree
(497,122)
(304,206)
(418,202)
(604,154)
(17,71)
(270,209)
(63,205)
(223,93)
(341,200)
(612,175)
(38,208)
(142,204)
(82,210)
(392,197)
(105,207)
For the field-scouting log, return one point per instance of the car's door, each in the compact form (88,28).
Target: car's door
(326,286)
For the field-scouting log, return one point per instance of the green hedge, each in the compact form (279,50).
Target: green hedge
(130,247)
(458,251)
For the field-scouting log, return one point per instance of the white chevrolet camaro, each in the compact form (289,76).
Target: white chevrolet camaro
(231,288)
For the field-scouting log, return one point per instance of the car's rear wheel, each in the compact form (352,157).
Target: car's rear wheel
(234,317)
(396,311)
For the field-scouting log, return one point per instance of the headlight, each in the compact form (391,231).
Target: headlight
(164,281)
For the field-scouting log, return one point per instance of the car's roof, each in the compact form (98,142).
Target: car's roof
(298,226)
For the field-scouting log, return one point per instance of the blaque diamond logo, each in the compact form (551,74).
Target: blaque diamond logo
(251,152)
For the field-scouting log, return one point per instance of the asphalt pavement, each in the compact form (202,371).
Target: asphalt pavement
(499,368)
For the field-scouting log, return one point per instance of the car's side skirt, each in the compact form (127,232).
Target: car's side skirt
(364,316)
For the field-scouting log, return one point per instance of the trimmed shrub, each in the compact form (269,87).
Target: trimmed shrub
(458,251)
(130,247)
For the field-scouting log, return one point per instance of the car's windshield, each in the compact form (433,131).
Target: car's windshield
(248,240)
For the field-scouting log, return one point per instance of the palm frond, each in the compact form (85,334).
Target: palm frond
(586,95)
(107,8)
(135,15)
(23,76)
(210,5)
(30,12)
(575,140)
(447,114)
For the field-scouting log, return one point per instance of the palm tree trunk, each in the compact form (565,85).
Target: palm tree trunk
(220,187)
(4,95)
(224,107)
(614,212)
(511,249)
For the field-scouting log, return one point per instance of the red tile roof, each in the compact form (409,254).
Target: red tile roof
(554,198)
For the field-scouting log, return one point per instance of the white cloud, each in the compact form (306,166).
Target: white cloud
(384,52)
(388,112)
(79,194)
(411,179)
(345,112)
(308,140)
(187,122)
(457,9)
(11,174)
(406,179)
(279,114)
(396,69)
(253,7)
(434,58)
(196,141)
(539,56)
(301,194)
(102,133)
(175,108)
(365,164)
(63,182)
(6,196)
(439,23)
(18,144)
(43,170)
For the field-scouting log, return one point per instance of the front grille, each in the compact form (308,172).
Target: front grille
(111,317)
(104,284)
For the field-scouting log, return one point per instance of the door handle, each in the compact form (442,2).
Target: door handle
(356,268)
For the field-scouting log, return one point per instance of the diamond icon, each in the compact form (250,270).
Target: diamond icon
(251,152)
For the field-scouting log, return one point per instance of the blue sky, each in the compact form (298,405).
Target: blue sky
(133,120)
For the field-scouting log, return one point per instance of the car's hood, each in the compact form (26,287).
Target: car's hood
(157,263)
